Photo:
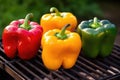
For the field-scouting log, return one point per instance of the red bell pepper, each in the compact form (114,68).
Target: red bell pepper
(22,38)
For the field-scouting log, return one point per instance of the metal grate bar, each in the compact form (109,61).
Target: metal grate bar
(93,64)
(38,62)
(112,77)
(115,55)
(70,75)
(61,72)
(39,70)
(15,70)
(109,62)
(52,73)
(106,67)
(114,60)
(115,69)
(1,49)
(56,74)
(117,48)
(80,76)
(84,70)
(90,68)
(35,76)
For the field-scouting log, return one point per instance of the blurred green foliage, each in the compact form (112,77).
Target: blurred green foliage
(15,9)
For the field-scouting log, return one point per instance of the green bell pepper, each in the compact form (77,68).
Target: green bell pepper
(97,37)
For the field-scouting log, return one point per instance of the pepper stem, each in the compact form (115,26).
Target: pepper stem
(25,25)
(95,23)
(62,35)
(54,9)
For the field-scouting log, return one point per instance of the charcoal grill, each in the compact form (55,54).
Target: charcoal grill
(84,69)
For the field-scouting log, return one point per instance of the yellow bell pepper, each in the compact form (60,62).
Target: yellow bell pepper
(57,20)
(60,48)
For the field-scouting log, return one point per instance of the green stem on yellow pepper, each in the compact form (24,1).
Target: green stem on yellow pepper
(62,35)
(54,9)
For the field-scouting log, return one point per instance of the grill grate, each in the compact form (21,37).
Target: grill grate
(84,69)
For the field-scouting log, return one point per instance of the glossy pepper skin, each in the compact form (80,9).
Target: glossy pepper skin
(56,20)
(97,37)
(22,38)
(59,48)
